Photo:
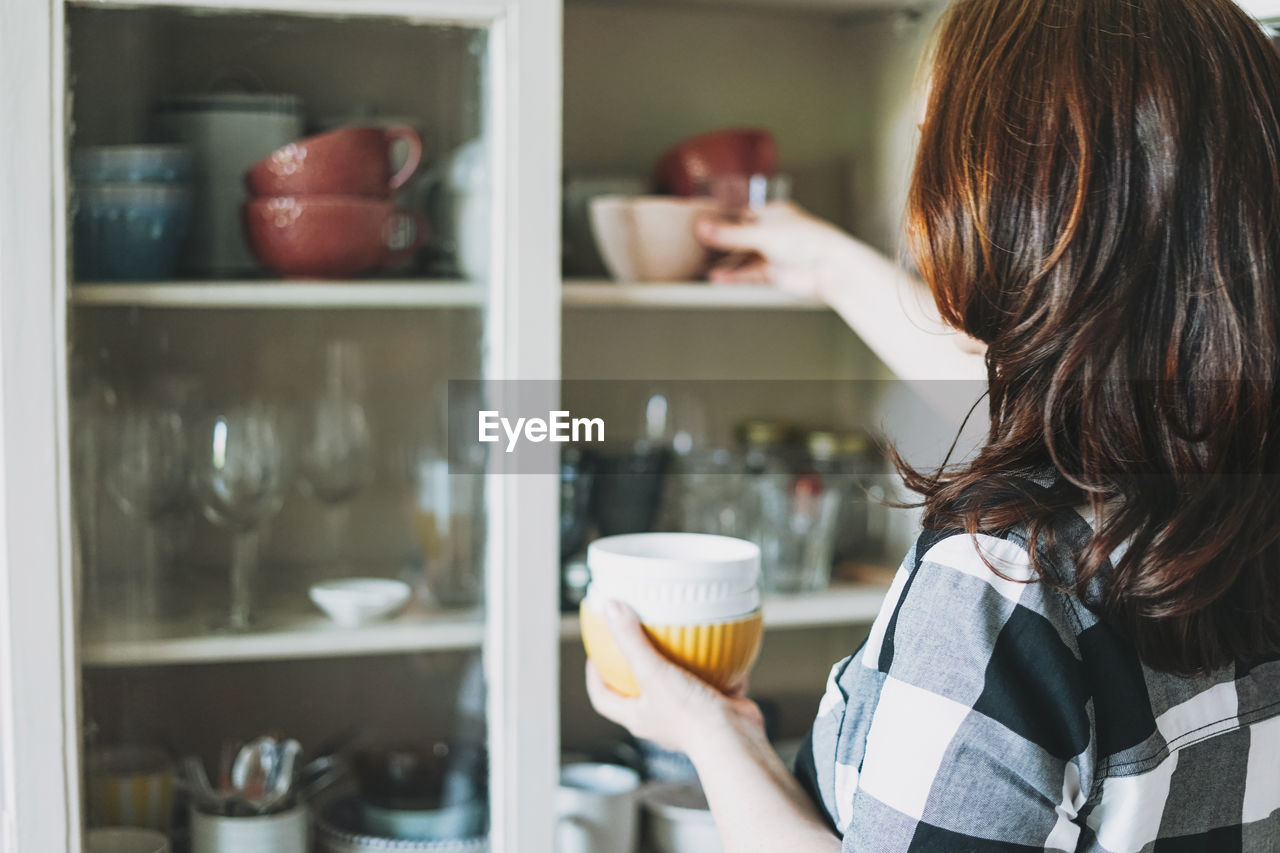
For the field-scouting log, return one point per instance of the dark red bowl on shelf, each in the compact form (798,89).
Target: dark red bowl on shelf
(686,168)
(330,237)
(346,161)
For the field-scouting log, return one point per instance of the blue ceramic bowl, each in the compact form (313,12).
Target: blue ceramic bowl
(129,232)
(151,164)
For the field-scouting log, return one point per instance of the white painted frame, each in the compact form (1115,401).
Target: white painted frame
(40,798)
(39,721)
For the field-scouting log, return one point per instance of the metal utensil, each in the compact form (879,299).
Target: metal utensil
(282,780)
(318,775)
(253,766)
(226,758)
(198,786)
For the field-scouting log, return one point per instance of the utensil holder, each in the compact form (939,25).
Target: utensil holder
(285,832)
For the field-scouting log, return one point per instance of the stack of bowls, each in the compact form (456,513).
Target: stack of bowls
(323,206)
(697,596)
(343,826)
(132,210)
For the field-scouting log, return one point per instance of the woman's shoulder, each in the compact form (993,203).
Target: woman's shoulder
(953,576)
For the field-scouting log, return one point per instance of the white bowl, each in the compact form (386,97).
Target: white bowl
(720,564)
(126,840)
(651,238)
(669,590)
(615,237)
(654,610)
(352,602)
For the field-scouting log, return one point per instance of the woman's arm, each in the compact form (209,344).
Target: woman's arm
(757,803)
(890,310)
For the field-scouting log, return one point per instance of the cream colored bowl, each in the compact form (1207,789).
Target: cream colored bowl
(650,238)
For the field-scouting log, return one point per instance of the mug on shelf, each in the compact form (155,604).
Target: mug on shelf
(344,161)
(597,810)
(330,237)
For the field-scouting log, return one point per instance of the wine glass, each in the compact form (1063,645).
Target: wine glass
(238,479)
(146,477)
(336,461)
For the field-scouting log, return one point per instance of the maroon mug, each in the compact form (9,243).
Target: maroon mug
(330,237)
(346,161)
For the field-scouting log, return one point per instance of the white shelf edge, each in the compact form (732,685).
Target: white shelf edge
(608,294)
(474,13)
(373,293)
(297,638)
(422,630)
(841,604)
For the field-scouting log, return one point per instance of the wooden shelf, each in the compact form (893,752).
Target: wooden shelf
(692,295)
(294,636)
(841,604)
(373,293)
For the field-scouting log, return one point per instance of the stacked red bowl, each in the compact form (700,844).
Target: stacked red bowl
(687,168)
(323,207)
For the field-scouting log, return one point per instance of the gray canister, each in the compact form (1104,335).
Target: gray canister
(227,133)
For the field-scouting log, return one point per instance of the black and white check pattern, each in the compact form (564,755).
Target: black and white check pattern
(985,714)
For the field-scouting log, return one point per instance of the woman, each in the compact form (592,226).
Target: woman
(1082,652)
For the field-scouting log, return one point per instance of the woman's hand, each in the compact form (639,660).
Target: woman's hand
(891,311)
(675,708)
(758,805)
(782,245)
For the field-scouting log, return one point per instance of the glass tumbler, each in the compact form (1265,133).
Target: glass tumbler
(447,514)
(797,532)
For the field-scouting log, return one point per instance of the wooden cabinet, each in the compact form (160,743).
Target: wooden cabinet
(833,80)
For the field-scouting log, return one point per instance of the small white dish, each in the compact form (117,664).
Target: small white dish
(352,602)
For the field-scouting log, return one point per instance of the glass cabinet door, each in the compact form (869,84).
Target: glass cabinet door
(286,238)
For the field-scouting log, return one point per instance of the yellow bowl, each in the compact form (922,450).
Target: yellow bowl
(720,653)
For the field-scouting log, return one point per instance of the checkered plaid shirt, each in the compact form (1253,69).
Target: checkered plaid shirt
(985,714)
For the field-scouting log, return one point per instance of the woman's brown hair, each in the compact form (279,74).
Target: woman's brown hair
(1097,198)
